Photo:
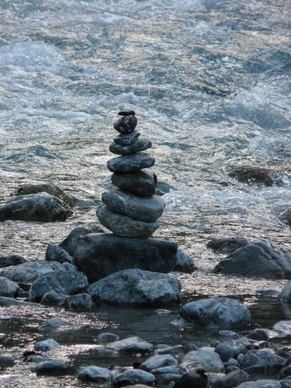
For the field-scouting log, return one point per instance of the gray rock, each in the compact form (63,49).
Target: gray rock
(222,312)
(131,345)
(232,379)
(192,379)
(35,207)
(158,361)
(94,374)
(283,328)
(63,282)
(172,369)
(70,243)
(167,379)
(6,361)
(135,286)
(126,139)
(54,324)
(285,294)
(56,253)
(230,363)
(49,188)
(7,260)
(46,345)
(139,183)
(262,360)
(147,209)
(166,349)
(99,255)
(8,287)
(184,262)
(125,226)
(127,123)
(230,349)
(250,174)
(130,163)
(227,245)
(134,376)
(78,302)
(258,259)
(139,145)
(261,334)
(261,384)
(52,298)
(27,272)
(205,358)
(107,337)
(5,301)
(53,368)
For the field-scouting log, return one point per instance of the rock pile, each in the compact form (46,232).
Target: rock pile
(132,210)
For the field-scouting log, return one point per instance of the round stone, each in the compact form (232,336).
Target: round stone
(139,183)
(139,145)
(127,123)
(126,139)
(130,163)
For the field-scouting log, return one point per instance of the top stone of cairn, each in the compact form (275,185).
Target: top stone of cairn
(127,123)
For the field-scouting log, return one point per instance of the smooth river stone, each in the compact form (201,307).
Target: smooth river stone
(127,123)
(130,163)
(126,139)
(139,145)
(139,183)
(147,209)
(125,226)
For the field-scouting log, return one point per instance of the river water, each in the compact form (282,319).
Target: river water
(210,83)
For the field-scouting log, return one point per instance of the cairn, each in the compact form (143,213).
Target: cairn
(132,209)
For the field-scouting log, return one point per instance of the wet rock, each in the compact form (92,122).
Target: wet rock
(130,163)
(94,374)
(63,282)
(158,361)
(230,349)
(140,145)
(167,379)
(227,245)
(99,255)
(261,334)
(286,371)
(166,349)
(6,361)
(132,377)
(107,337)
(127,139)
(283,328)
(147,209)
(46,345)
(261,384)
(131,345)
(258,259)
(205,358)
(168,370)
(262,360)
(139,183)
(230,363)
(35,207)
(56,253)
(48,188)
(8,287)
(6,261)
(78,302)
(286,382)
(135,286)
(125,226)
(127,123)
(27,272)
(248,174)
(222,312)
(285,294)
(70,243)
(53,368)
(6,301)
(232,379)
(54,324)
(191,379)
(53,298)
(184,262)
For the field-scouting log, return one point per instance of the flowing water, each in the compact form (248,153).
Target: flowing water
(210,82)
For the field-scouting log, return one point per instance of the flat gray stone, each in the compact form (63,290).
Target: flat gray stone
(232,379)
(158,361)
(139,183)
(204,358)
(46,345)
(78,302)
(53,368)
(131,345)
(94,374)
(8,287)
(147,209)
(125,226)
(133,377)
(57,253)
(7,260)
(130,163)
(135,286)
(139,145)
(266,383)
(126,139)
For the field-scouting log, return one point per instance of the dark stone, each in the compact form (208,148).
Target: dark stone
(127,139)
(52,298)
(285,294)
(8,287)
(94,374)
(138,183)
(6,361)
(133,377)
(140,145)
(70,243)
(191,379)
(131,345)
(261,361)
(230,349)
(107,337)
(35,207)
(158,361)
(127,123)
(46,345)
(258,259)
(250,174)
(53,368)
(6,261)
(99,255)
(78,302)
(261,334)
(286,216)
(130,163)
(184,262)
(232,379)
(57,253)
(227,245)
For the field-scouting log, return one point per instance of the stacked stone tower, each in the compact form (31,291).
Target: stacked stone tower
(132,208)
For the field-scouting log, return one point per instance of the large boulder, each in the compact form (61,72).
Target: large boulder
(35,207)
(258,259)
(99,255)
(135,286)
(223,313)
(62,282)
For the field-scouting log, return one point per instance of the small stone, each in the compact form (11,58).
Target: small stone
(261,384)
(139,183)
(205,358)
(285,294)
(261,334)
(8,287)
(147,209)
(126,139)
(192,379)
(7,260)
(158,361)
(127,123)
(46,345)
(6,361)
(184,262)
(131,345)
(78,302)
(52,298)
(56,253)
(134,376)
(69,244)
(107,337)
(227,245)
(130,163)
(125,226)
(232,379)
(140,145)
(53,368)
(230,349)
(283,328)
(94,374)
